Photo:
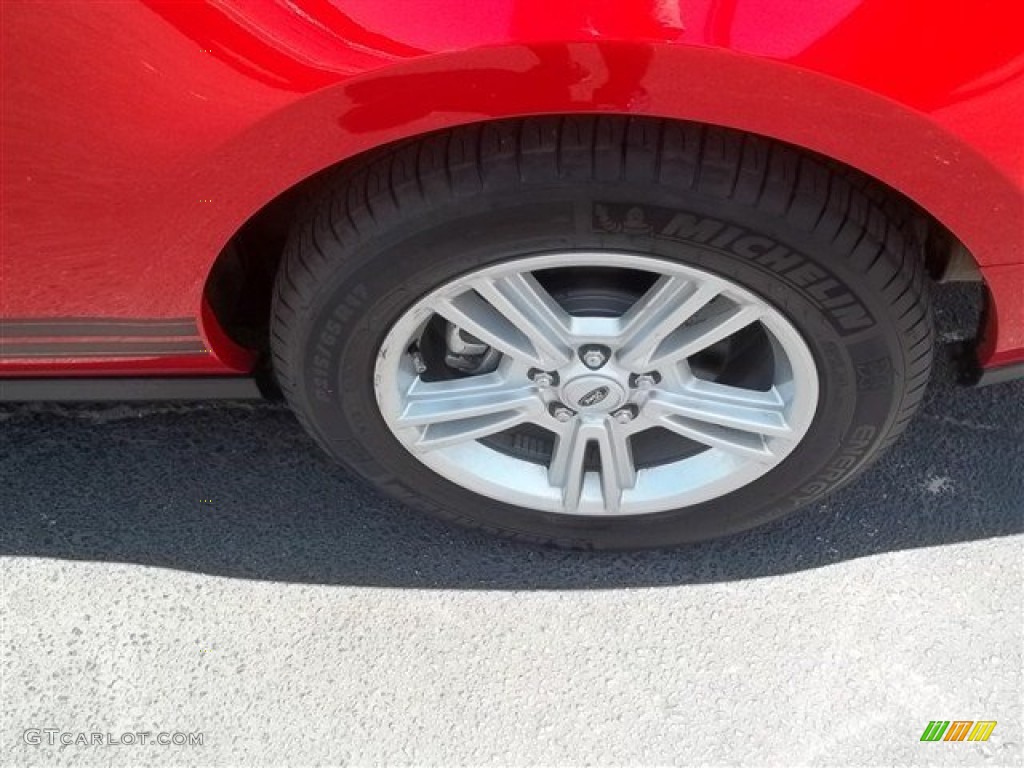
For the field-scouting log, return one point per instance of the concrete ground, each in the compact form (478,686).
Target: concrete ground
(201,568)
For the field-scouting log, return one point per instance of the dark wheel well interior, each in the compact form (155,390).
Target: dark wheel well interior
(239,287)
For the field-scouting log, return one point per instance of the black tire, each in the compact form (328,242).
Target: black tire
(834,257)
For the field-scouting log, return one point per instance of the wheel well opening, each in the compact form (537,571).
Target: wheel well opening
(239,287)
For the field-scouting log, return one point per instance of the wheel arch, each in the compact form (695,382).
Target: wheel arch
(909,154)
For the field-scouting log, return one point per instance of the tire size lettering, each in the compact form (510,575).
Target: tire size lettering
(344,311)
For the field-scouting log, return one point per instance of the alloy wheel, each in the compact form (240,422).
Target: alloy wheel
(596,383)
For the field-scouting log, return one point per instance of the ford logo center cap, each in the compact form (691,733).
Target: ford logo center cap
(593,397)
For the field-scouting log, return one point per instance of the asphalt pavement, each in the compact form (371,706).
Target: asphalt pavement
(201,569)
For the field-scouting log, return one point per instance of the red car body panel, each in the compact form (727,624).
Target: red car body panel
(138,137)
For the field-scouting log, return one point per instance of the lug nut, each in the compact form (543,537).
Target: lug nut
(645,380)
(625,415)
(560,412)
(595,356)
(542,379)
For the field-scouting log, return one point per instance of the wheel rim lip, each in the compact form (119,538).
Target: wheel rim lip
(710,474)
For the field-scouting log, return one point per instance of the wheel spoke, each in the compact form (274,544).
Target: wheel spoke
(617,473)
(515,315)
(521,299)
(449,412)
(735,419)
(669,303)
(566,469)
(688,340)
